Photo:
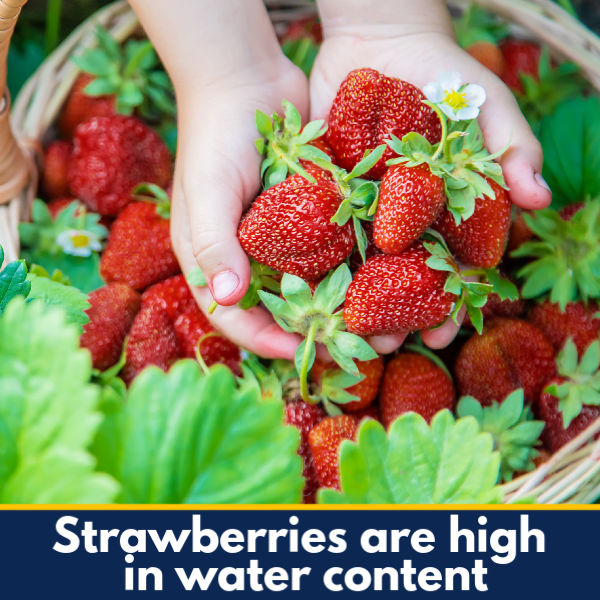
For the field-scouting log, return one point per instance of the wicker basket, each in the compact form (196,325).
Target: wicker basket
(573,473)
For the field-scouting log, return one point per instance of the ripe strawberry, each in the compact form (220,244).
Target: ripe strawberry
(172,296)
(139,250)
(111,313)
(489,55)
(370,412)
(568,212)
(519,232)
(305,417)
(366,390)
(510,354)
(410,200)
(368,108)
(397,293)
(80,107)
(577,321)
(56,167)
(289,228)
(555,435)
(111,156)
(414,383)
(480,240)
(194,331)
(520,57)
(324,441)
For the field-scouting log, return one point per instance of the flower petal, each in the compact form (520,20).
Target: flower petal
(449,111)
(433,92)
(475,95)
(468,113)
(450,80)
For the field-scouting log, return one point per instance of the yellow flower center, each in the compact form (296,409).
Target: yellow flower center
(455,99)
(80,240)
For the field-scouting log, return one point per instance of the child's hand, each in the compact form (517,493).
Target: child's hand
(413,40)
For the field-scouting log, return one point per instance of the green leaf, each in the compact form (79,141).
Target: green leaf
(185,437)
(13,281)
(505,288)
(71,300)
(196,277)
(100,87)
(447,462)
(331,292)
(48,411)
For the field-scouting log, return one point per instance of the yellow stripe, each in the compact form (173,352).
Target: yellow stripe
(300,507)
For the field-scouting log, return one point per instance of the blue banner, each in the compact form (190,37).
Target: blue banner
(182,552)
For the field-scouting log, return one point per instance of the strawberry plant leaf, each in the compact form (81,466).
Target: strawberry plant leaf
(186,437)
(450,461)
(505,288)
(48,410)
(13,281)
(196,277)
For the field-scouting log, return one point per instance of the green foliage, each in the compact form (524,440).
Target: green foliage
(582,380)
(566,255)
(449,461)
(185,437)
(302,52)
(514,431)
(334,389)
(13,281)
(41,237)
(570,138)
(48,411)
(478,25)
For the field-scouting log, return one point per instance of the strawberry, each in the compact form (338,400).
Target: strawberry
(569,211)
(577,321)
(489,55)
(324,441)
(194,332)
(139,250)
(397,293)
(510,354)
(301,28)
(519,232)
(415,383)
(368,108)
(170,326)
(366,390)
(111,313)
(111,156)
(410,199)
(56,167)
(480,240)
(79,107)
(305,417)
(520,57)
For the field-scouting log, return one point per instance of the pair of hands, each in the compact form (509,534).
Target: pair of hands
(217,169)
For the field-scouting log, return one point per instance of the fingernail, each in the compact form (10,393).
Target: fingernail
(224,284)
(542,182)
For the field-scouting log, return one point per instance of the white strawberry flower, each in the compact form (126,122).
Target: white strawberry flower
(458,101)
(78,242)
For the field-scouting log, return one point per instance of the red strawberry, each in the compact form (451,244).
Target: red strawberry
(171,296)
(111,156)
(520,57)
(57,156)
(324,441)
(414,383)
(397,293)
(305,417)
(410,200)
(578,322)
(111,313)
(489,55)
(370,412)
(555,435)
(192,329)
(568,212)
(80,107)
(289,228)
(509,355)
(479,241)
(139,250)
(366,389)
(370,107)
(302,28)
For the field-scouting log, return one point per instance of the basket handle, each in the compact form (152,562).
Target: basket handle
(14,166)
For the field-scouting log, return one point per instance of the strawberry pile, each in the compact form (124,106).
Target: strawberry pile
(106,221)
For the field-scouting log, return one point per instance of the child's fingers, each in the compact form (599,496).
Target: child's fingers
(385,344)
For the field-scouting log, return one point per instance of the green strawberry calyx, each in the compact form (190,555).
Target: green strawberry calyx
(317,319)
(472,295)
(150,192)
(512,427)
(130,73)
(459,158)
(285,142)
(581,384)
(334,392)
(566,255)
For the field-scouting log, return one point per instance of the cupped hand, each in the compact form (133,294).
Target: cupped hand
(420,58)
(216,178)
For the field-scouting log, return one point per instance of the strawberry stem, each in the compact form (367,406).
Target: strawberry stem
(444,124)
(308,345)
(212,307)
